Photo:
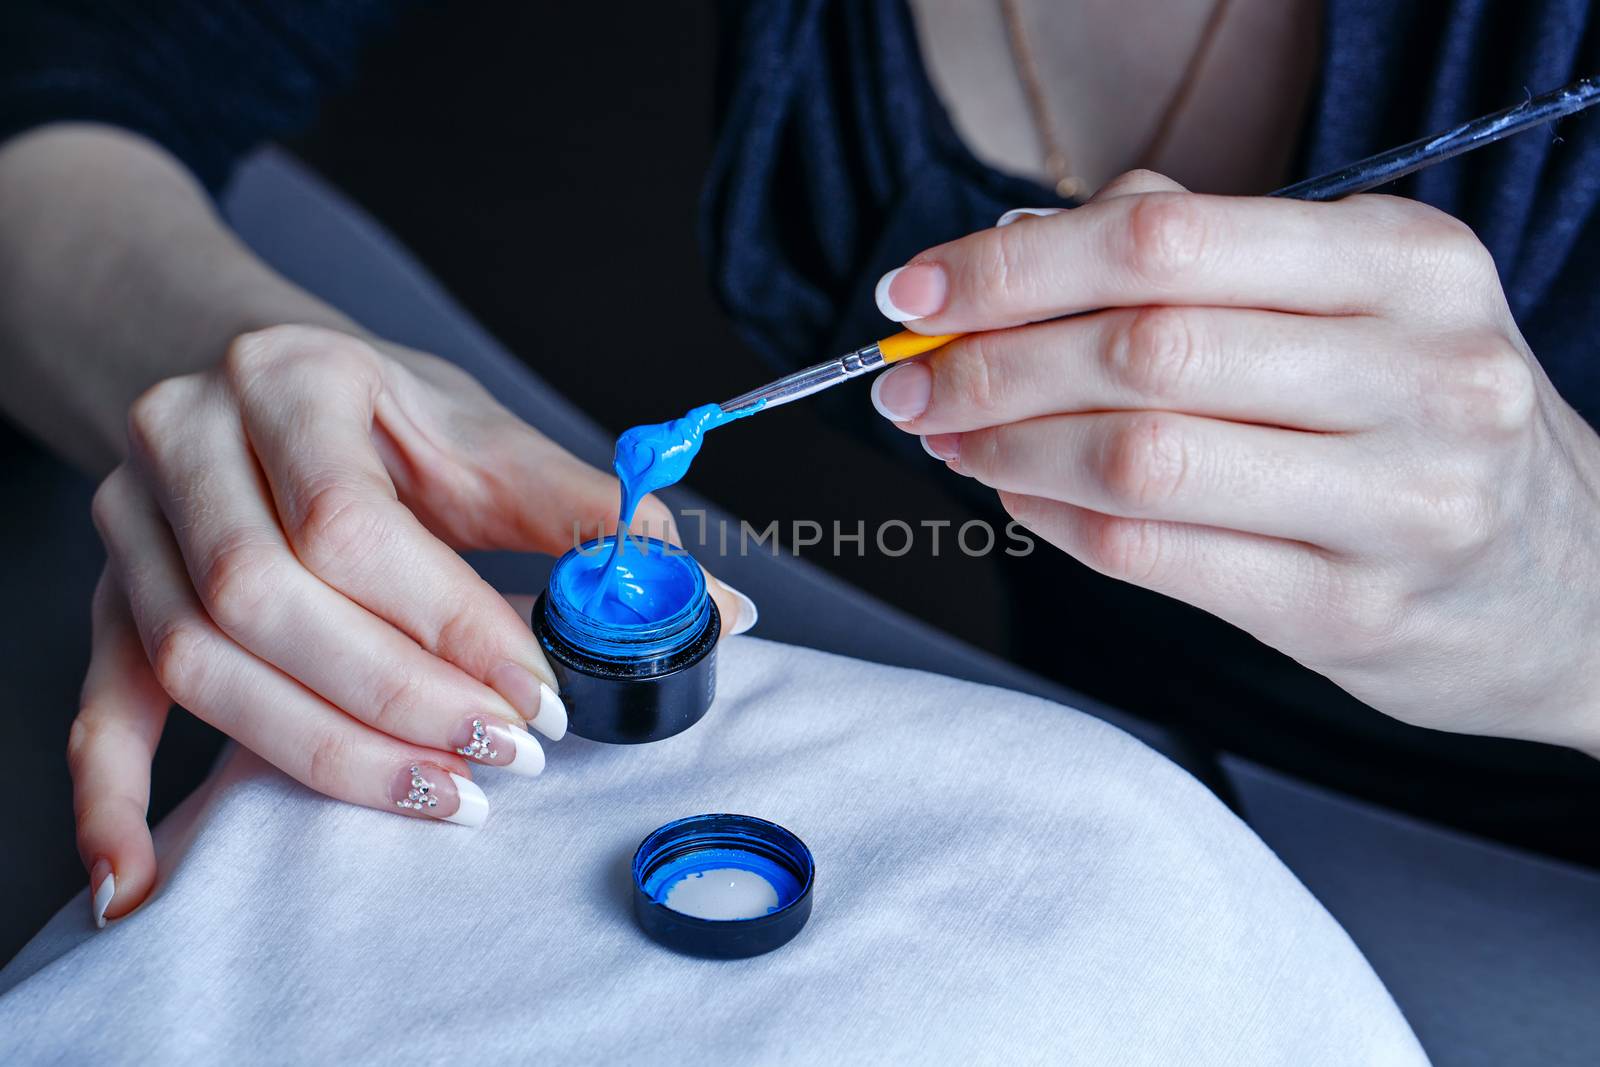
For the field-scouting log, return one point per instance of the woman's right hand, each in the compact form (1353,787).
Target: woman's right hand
(282,562)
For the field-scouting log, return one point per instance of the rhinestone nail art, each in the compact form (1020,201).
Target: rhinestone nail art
(421,795)
(481,746)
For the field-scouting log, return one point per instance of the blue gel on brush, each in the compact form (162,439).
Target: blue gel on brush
(648,459)
(653,457)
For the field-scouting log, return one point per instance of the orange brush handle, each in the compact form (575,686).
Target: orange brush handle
(906,344)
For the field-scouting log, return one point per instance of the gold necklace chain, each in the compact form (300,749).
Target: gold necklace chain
(1068,185)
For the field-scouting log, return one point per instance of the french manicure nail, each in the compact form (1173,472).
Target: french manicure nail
(429,791)
(551,719)
(104,883)
(501,744)
(532,697)
(1017,214)
(912,292)
(748,613)
(474,806)
(943,446)
(902,393)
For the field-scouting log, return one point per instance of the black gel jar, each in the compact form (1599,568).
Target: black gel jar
(637,661)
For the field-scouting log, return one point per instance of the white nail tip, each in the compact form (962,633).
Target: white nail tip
(748,613)
(474,806)
(885,305)
(877,402)
(529,757)
(552,718)
(930,451)
(1016,214)
(102,900)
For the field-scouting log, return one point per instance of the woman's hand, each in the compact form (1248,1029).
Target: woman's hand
(282,563)
(1316,421)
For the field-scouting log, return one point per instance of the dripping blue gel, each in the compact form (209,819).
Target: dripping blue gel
(633,585)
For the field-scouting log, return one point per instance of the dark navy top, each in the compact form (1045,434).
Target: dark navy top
(836,161)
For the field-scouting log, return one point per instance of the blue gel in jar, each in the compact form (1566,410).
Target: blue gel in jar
(639,599)
(630,631)
(723,886)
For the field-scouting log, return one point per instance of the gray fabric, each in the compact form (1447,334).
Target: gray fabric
(1494,955)
(1000,879)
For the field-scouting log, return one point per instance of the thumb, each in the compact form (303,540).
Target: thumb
(532,495)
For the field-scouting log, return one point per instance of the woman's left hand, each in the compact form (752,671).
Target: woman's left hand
(1316,421)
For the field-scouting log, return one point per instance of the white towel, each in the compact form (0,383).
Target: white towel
(999,880)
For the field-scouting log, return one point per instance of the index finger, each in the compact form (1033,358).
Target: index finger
(1341,258)
(311,430)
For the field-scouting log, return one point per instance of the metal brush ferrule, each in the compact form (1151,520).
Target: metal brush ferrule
(812,379)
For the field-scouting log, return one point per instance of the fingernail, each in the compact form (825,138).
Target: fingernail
(104,885)
(902,393)
(748,614)
(533,698)
(912,292)
(474,806)
(943,446)
(552,717)
(428,790)
(501,744)
(1017,214)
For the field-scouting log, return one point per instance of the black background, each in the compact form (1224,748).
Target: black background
(546,167)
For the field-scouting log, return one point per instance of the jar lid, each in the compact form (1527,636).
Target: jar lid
(722,886)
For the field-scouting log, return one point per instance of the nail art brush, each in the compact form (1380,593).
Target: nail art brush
(1358,177)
